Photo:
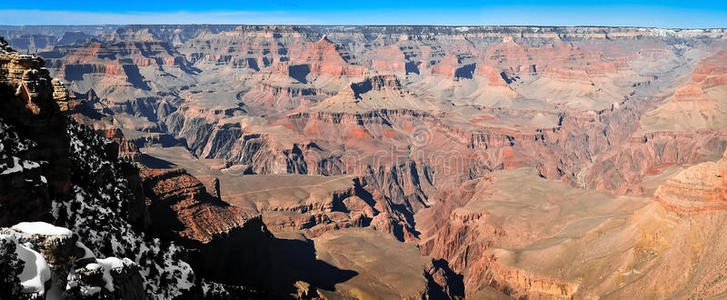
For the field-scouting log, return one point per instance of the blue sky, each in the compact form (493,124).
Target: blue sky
(685,14)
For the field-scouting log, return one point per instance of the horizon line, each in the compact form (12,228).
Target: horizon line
(637,16)
(364,25)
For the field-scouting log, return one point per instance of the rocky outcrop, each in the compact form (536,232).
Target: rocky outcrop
(180,205)
(127,149)
(221,236)
(699,188)
(463,237)
(622,170)
(327,58)
(521,284)
(481,233)
(35,144)
(60,95)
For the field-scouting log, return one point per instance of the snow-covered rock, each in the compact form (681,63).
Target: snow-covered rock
(19,177)
(106,277)
(11,267)
(42,228)
(19,165)
(54,262)
(35,272)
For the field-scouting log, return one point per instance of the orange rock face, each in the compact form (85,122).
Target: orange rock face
(689,93)
(711,71)
(700,188)
(180,202)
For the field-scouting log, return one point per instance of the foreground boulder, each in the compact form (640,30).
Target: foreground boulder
(49,261)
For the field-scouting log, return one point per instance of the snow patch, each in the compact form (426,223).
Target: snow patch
(15,168)
(35,272)
(42,228)
(112,263)
(19,165)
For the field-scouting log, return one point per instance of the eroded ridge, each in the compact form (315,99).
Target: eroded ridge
(699,188)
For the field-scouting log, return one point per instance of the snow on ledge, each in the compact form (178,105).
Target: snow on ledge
(41,228)
(36,271)
(19,165)
(112,263)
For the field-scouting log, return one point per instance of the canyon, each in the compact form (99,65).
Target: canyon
(377,162)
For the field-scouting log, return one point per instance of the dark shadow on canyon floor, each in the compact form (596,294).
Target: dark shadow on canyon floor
(135,77)
(300,257)
(156,163)
(252,256)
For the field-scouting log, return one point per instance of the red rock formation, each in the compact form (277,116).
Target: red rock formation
(388,60)
(689,93)
(127,149)
(493,75)
(325,57)
(180,203)
(700,188)
(622,170)
(711,72)
(521,284)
